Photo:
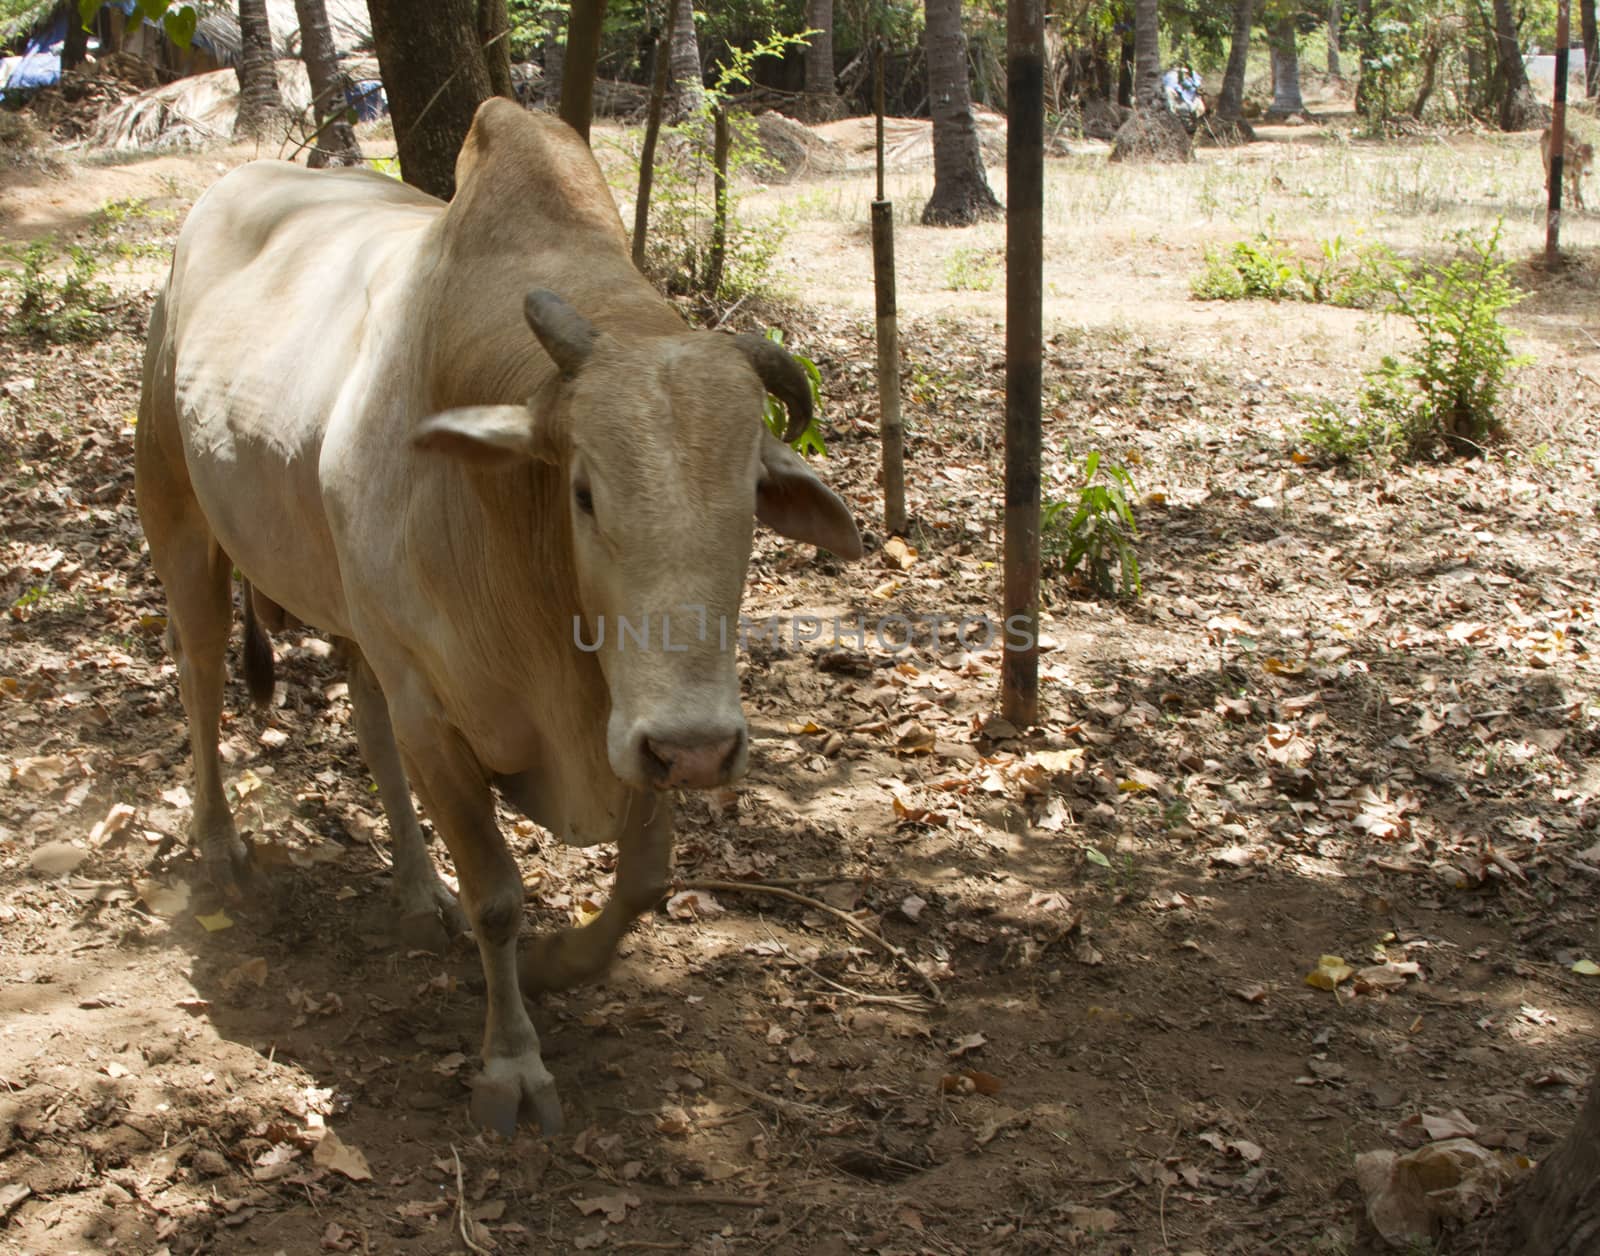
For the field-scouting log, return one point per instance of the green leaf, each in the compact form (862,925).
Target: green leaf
(1093,855)
(180,25)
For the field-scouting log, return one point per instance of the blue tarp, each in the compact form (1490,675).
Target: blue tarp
(368,100)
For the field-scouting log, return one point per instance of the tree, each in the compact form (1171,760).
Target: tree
(1147,93)
(961,193)
(75,49)
(494,37)
(1516,107)
(260,103)
(436,76)
(822,101)
(1230,102)
(1557,1212)
(1286,98)
(687,86)
(584,25)
(1335,11)
(1591,49)
(336,139)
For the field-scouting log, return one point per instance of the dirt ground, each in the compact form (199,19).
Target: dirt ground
(1351,715)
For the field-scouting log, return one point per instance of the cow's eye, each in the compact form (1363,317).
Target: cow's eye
(584,498)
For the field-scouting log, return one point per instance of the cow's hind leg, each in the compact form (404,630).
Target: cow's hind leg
(555,961)
(428,914)
(454,788)
(198,578)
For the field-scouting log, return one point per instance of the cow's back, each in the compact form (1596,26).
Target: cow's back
(282,316)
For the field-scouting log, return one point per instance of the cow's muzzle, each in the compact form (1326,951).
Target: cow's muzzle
(693,762)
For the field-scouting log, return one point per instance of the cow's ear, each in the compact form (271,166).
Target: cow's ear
(793,502)
(488,435)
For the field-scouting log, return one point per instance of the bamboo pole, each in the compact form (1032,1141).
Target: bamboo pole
(891,427)
(1558,137)
(719,212)
(1019,669)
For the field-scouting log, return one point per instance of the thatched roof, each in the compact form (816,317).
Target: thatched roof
(192,112)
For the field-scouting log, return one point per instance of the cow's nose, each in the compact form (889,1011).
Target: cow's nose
(691,763)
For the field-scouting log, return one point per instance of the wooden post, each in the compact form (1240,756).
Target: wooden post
(1019,669)
(891,428)
(661,58)
(1558,137)
(719,212)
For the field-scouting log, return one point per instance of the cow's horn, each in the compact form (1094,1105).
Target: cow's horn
(567,336)
(784,378)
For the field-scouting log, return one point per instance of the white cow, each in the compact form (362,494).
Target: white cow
(342,399)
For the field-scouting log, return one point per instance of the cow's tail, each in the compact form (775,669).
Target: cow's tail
(258,665)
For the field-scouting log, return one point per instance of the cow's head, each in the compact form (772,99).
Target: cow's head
(666,464)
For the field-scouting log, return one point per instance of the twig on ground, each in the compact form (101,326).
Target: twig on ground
(788,1107)
(766,887)
(461,1205)
(909,1002)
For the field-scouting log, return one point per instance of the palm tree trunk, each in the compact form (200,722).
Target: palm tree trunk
(961,193)
(555,55)
(821,98)
(494,37)
(1147,93)
(336,139)
(436,77)
(1335,11)
(1286,98)
(687,84)
(1230,104)
(75,50)
(259,100)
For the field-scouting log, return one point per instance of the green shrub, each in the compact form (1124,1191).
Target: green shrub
(1263,269)
(1448,388)
(683,198)
(1094,529)
(71,306)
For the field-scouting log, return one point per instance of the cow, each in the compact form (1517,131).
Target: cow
(1577,160)
(469,441)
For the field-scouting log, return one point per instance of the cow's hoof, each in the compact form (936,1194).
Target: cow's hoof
(508,1089)
(227,863)
(428,915)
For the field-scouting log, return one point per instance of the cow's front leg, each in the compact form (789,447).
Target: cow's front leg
(456,792)
(427,914)
(554,961)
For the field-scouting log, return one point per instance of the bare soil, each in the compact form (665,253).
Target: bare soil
(1351,715)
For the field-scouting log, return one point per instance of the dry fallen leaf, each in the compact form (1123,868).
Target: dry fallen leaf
(1329,972)
(693,905)
(55,859)
(335,1154)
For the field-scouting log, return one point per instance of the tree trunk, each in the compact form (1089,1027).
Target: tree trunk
(1286,97)
(1430,71)
(1147,93)
(1364,50)
(1557,1211)
(1335,11)
(259,101)
(822,102)
(555,56)
(75,50)
(494,37)
(436,77)
(336,139)
(687,86)
(1125,73)
(1230,104)
(583,59)
(1516,107)
(961,193)
(1591,49)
